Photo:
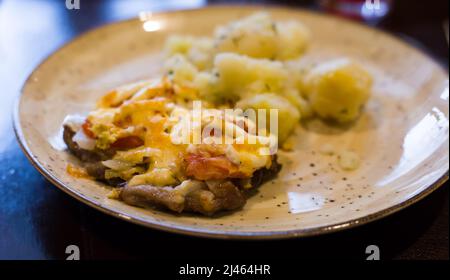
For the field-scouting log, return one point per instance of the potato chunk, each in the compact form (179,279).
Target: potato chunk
(288,115)
(180,70)
(241,76)
(259,36)
(293,39)
(337,90)
(209,88)
(197,50)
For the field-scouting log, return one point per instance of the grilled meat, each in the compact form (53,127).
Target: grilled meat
(205,197)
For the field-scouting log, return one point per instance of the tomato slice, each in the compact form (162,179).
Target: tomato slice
(211,168)
(128,142)
(87,129)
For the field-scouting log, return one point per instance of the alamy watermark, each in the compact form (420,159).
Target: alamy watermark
(227,126)
(73,4)
(373,252)
(373,5)
(73,252)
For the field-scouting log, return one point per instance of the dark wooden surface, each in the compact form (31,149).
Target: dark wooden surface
(38,221)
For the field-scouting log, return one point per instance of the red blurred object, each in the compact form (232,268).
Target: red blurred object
(366,10)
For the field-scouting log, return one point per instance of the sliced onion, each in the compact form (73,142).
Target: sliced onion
(74,121)
(83,140)
(117,165)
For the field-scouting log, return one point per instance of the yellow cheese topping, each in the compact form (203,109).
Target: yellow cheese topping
(143,122)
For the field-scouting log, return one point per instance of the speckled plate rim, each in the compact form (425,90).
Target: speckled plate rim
(244,235)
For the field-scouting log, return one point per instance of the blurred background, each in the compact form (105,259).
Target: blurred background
(37,220)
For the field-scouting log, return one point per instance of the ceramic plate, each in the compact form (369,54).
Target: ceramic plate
(402,138)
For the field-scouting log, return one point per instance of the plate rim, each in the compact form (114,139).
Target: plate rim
(217,234)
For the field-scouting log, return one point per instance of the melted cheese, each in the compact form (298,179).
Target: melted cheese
(233,142)
(153,114)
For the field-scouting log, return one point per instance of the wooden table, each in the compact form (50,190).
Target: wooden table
(38,221)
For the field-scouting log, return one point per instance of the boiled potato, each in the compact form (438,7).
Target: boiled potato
(180,70)
(209,88)
(197,50)
(293,39)
(253,36)
(288,115)
(241,76)
(237,76)
(259,36)
(337,90)
(256,63)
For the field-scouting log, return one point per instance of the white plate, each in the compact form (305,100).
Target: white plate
(402,138)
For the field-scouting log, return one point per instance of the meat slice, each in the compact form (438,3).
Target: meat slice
(191,196)
(227,194)
(211,168)
(219,196)
(97,170)
(146,195)
(84,155)
(207,197)
(92,159)
(265,174)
